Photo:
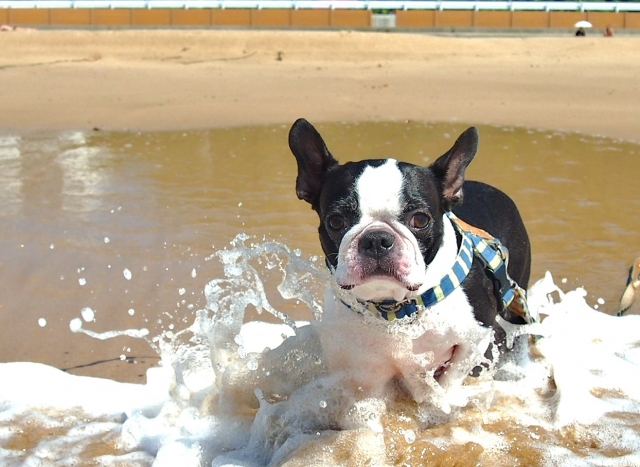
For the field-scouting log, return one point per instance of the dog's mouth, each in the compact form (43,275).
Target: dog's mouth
(380,287)
(442,368)
(409,287)
(384,275)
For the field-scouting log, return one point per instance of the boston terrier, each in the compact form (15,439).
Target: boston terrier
(413,299)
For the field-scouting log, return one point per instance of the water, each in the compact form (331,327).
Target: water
(219,398)
(126,237)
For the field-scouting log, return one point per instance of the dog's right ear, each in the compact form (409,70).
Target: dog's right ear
(314,159)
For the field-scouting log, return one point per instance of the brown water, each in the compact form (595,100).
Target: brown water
(81,211)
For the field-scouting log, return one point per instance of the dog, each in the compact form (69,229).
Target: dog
(403,305)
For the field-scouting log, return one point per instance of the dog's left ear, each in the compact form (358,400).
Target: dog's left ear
(449,168)
(313,157)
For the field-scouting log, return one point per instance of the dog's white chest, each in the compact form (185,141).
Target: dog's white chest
(445,343)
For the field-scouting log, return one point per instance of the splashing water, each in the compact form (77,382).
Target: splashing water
(232,392)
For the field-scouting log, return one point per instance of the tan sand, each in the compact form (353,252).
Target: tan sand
(184,79)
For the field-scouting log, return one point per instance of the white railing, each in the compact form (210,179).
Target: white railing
(330,4)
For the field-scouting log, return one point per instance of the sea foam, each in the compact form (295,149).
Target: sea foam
(230,392)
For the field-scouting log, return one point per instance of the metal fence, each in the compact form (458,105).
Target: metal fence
(331,4)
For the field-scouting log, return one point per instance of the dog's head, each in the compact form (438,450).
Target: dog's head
(381,221)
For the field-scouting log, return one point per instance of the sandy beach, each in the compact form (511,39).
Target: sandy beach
(118,247)
(189,79)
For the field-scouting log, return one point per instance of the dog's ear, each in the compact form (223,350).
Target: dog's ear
(314,159)
(449,168)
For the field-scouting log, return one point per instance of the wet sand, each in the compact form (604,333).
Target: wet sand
(189,79)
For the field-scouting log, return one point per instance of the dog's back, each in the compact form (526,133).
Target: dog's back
(492,210)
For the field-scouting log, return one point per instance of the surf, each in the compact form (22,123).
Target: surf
(236,391)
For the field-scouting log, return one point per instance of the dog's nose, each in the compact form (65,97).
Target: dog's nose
(376,244)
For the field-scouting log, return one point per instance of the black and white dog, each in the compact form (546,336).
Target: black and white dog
(413,301)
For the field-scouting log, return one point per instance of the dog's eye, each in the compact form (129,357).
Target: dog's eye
(419,220)
(337,222)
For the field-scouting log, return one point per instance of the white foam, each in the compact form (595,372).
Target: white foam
(234,393)
(22,386)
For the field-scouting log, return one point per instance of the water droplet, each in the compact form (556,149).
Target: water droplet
(252,365)
(106,239)
(601,301)
(323,404)
(75,324)
(193,272)
(127,274)
(87,314)
(409,436)
(131,311)
(82,281)
(52,246)
(182,291)
(42,322)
